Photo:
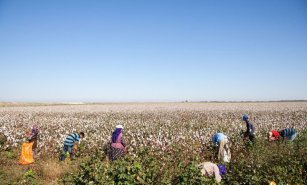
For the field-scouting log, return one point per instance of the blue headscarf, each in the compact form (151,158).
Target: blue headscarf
(115,134)
(245,117)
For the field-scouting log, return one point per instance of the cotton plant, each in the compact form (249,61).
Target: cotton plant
(156,126)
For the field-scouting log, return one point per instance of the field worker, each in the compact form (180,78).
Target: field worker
(118,148)
(288,134)
(33,138)
(70,145)
(221,145)
(250,130)
(273,135)
(209,169)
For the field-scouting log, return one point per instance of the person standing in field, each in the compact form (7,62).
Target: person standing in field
(33,138)
(71,145)
(221,146)
(118,147)
(210,169)
(250,130)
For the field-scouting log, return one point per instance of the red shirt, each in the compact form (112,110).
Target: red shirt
(275,134)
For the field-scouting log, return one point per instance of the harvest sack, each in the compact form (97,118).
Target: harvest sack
(26,156)
(67,159)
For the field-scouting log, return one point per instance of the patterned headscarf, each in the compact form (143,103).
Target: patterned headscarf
(34,130)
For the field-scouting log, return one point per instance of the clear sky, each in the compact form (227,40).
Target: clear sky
(168,50)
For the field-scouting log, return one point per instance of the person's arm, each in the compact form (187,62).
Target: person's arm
(76,143)
(123,143)
(75,147)
(272,138)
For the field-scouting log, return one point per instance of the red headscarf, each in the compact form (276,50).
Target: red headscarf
(275,134)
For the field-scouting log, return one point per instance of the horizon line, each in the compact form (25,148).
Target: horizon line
(115,102)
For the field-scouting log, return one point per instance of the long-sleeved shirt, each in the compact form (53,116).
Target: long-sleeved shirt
(287,132)
(119,142)
(210,169)
(71,139)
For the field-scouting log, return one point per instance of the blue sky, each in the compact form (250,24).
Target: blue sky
(153,50)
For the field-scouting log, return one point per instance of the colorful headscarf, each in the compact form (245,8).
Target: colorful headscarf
(115,134)
(34,130)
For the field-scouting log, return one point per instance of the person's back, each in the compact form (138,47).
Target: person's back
(288,133)
(210,169)
(71,139)
(118,143)
(224,153)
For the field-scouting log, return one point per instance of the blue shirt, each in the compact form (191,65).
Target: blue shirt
(217,138)
(71,139)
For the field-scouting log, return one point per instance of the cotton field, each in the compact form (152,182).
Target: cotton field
(156,125)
